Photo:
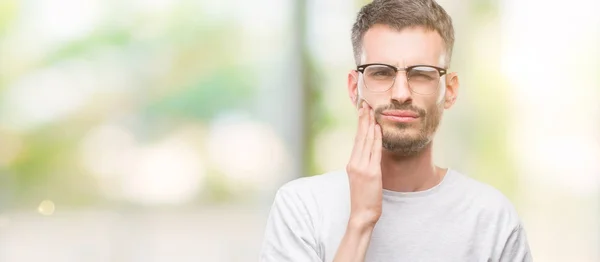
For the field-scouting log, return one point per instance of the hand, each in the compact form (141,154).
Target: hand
(364,170)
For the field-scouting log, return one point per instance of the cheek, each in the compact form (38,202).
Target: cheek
(441,95)
(375,100)
(429,104)
(435,111)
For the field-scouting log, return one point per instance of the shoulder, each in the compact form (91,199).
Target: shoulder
(487,200)
(333,180)
(482,193)
(315,192)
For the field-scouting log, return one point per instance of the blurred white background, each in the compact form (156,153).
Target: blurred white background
(159,130)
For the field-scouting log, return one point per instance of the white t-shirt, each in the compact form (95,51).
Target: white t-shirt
(459,220)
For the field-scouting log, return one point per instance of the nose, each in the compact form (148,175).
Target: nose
(400,90)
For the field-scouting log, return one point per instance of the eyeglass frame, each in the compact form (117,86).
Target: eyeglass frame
(361,69)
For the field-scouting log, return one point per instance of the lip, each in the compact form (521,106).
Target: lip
(400,115)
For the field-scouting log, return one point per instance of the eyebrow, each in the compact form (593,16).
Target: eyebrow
(397,65)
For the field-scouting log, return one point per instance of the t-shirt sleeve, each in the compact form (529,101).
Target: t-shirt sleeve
(289,234)
(516,248)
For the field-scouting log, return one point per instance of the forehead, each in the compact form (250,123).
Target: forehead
(409,46)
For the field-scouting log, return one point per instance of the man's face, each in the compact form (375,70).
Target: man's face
(408,119)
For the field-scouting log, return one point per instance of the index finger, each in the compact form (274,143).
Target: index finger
(377,147)
(361,133)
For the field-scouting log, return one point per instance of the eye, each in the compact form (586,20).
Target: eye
(423,74)
(380,72)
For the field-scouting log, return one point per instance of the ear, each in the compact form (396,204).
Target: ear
(452,86)
(353,87)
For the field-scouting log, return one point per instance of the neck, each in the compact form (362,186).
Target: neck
(410,173)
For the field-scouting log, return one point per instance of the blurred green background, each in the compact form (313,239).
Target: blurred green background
(169,123)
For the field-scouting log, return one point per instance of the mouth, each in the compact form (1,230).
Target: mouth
(402,116)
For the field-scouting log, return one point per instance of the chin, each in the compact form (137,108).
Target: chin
(401,138)
(407,141)
(405,145)
(400,130)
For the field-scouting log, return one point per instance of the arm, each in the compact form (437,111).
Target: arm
(364,177)
(353,247)
(516,248)
(289,233)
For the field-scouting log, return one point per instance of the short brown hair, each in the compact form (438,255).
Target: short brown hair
(400,14)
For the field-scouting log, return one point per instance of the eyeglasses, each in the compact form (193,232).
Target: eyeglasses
(422,79)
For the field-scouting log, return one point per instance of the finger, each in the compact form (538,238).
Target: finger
(368,145)
(357,149)
(377,147)
(360,103)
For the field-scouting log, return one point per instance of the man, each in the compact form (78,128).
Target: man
(392,203)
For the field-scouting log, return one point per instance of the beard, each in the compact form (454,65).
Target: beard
(398,138)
